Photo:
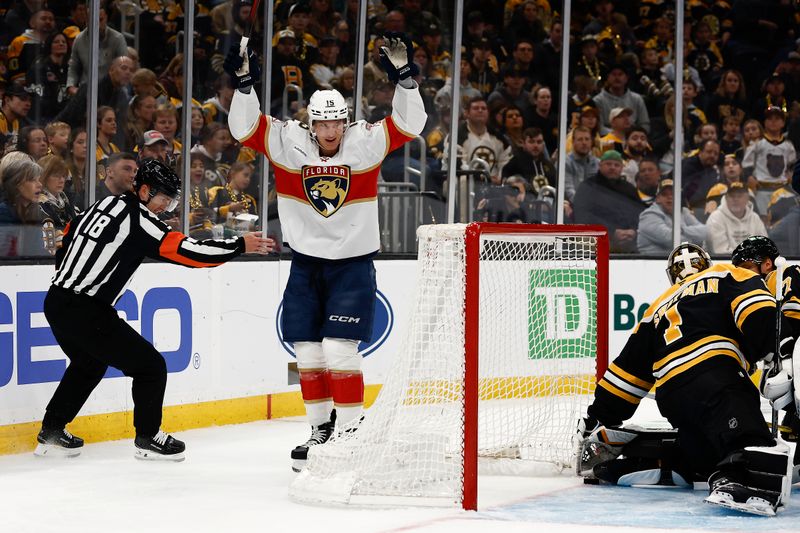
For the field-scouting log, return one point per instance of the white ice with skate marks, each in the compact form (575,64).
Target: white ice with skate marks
(235,478)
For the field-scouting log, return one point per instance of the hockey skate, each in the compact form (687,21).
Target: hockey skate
(160,447)
(733,495)
(319,435)
(57,443)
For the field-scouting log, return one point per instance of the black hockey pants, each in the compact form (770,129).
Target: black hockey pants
(716,413)
(94,337)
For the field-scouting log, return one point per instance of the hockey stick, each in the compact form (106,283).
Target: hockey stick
(780,264)
(249,29)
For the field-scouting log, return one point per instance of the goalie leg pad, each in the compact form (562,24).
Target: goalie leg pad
(756,480)
(347,382)
(314,381)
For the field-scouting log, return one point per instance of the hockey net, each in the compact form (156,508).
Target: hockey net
(499,362)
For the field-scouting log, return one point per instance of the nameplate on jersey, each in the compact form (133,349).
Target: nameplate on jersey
(326,187)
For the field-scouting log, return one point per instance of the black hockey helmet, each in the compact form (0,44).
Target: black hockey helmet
(160,178)
(686,259)
(755,249)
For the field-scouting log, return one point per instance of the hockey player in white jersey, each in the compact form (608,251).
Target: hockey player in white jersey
(326,177)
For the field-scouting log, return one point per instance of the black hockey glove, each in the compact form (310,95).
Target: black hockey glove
(244,72)
(397,57)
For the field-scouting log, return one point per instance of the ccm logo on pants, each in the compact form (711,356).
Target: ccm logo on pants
(346,319)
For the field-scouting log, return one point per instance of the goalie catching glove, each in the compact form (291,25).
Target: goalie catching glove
(244,71)
(598,444)
(397,57)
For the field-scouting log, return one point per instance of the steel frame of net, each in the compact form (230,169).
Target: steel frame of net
(472,320)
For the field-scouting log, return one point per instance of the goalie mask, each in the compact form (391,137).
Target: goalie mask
(686,259)
(327,104)
(754,249)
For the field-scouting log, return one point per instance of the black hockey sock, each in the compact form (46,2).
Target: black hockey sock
(52,421)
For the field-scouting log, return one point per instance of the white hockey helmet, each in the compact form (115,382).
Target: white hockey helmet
(328,104)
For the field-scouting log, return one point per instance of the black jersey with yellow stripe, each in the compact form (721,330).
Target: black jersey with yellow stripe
(790,302)
(722,316)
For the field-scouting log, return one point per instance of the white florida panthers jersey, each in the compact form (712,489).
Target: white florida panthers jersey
(328,205)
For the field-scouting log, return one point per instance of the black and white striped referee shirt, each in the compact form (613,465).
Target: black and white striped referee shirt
(104,246)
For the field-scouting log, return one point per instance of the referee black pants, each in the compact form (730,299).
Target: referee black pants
(94,337)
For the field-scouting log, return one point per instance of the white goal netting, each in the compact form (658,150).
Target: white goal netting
(537,346)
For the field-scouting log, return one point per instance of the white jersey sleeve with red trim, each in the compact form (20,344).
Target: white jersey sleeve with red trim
(328,205)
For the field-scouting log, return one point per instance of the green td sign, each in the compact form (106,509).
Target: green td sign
(561,313)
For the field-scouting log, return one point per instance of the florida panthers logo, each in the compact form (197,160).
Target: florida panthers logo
(326,187)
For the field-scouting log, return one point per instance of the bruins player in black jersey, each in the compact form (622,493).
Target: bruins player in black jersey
(696,344)
(761,252)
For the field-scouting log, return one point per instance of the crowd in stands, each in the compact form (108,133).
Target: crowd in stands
(741,108)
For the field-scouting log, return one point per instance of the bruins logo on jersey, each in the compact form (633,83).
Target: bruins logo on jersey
(326,187)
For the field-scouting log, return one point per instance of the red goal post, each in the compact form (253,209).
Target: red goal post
(474,231)
(507,336)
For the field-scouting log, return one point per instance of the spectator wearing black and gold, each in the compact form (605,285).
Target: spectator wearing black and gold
(216,109)
(27,47)
(58,138)
(47,79)
(288,69)
(201,214)
(213,141)
(531,162)
(106,130)
(589,64)
(483,74)
(432,41)
(14,114)
(729,99)
(155,146)
(54,201)
(232,199)
(704,54)
(772,96)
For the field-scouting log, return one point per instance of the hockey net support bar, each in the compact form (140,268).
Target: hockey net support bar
(508,334)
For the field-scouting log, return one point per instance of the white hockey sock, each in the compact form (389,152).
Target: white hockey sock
(319,412)
(347,414)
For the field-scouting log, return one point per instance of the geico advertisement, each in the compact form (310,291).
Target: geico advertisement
(219,329)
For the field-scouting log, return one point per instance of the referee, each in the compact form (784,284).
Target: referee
(101,250)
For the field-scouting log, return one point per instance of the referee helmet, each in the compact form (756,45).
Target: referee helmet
(159,178)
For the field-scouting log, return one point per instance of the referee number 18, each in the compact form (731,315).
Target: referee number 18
(98,224)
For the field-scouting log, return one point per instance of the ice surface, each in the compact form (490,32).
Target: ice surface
(235,479)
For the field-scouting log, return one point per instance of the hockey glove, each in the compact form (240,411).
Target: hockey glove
(778,383)
(244,71)
(601,445)
(397,57)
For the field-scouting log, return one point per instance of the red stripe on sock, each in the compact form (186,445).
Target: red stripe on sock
(314,385)
(347,388)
